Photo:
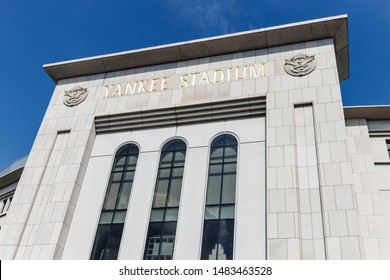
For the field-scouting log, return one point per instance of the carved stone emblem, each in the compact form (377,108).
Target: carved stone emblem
(75,96)
(300,65)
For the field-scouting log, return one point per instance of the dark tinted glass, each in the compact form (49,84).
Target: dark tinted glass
(218,230)
(112,218)
(107,241)
(160,239)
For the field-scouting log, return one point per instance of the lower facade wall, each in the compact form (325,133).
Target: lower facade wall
(250,216)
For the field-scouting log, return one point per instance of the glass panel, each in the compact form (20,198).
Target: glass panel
(230,151)
(225,239)
(100,245)
(124,196)
(211,213)
(117,176)
(166,158)
(157,215)
(216,152)
(227,212)
(118,169)
(230,168)
(107,242)
(120,161)
(174,193)
(180,156)
(213,190)
(230,140)
(133,150)
(156,245)
(210,240)
(218,230)
(167,247)
(160,193)
(161,235)
(177,172)
(153,241)
(230,154)
(119,217)
(171,214)
(170,146)
(169,229)
(111,197)
(218,142)
(113,241)
(164,173)
(180,145)
(106,217)
(129,175)
(216,155)
(132,161)
(229,189)
(124,151)
(109,232)
(215,169)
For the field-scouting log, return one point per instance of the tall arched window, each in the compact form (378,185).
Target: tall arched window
(218,228)
(112,218)
(160,240)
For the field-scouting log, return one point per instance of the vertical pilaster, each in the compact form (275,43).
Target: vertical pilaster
(373,238)
(312,213)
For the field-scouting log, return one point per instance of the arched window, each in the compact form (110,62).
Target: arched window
(160,240)
(112,218)
(218,228)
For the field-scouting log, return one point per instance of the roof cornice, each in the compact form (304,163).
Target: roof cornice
(374,112)
(331,27)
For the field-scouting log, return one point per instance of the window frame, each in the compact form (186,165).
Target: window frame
(163,223)
(131,152)
(221,205)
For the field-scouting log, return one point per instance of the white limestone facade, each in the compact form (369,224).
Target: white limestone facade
(309,184)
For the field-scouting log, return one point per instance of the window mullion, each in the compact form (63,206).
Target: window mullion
(121,183)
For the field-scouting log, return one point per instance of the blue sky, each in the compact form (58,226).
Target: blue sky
(33,33)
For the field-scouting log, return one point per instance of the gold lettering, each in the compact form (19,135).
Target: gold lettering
(222,76)
(142,85)
(185,81)
(108,89)
(249,71)
(262,70)
(193,78)
(252,72)
(229,74)
(153,84)
(243,74)
(164,83)
(118,90)
(130,89)
(205,77)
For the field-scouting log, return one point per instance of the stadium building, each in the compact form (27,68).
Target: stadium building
(230,147)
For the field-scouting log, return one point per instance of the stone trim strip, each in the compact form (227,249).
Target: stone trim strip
(188,114)
(379,133)
(331,27)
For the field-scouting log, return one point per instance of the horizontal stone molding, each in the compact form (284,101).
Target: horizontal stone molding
(179,115)
(379,133)
(331,27)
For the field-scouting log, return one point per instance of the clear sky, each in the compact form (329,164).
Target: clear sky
(33,33)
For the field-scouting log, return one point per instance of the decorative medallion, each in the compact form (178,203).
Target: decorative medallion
(300,65)
(75,96)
